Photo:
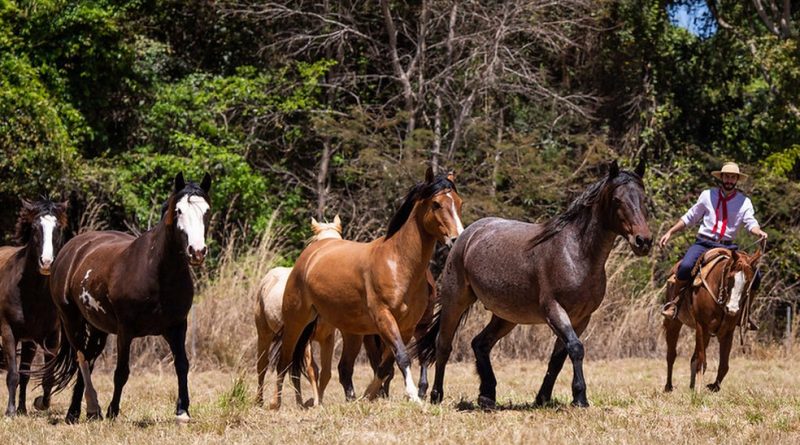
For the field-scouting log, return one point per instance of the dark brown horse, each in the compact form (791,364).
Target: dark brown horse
(371,288)
(716,305)
(27,313)
(112,282)
(550,273)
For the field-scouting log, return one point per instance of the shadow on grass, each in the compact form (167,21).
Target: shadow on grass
(555,405)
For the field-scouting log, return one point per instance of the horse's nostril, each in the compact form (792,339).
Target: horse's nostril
(204,251)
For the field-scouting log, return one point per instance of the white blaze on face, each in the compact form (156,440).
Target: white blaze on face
(48,223)
(191,210)
(736,293)
(459,226)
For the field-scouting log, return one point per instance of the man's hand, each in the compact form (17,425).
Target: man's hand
(762,235)
(664,239)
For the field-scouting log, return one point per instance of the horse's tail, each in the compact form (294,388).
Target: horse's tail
(298,356)
(424,347)
(62,367)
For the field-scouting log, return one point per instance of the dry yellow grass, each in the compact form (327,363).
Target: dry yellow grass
(759,402)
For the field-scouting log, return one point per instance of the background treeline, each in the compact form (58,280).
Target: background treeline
(311,108)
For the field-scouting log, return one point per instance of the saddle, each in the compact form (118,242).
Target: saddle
(703,267)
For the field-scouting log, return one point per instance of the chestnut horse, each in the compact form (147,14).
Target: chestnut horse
(114,283)
(714,308)
(27,313)
(269,320)
(550,273)
(378,287)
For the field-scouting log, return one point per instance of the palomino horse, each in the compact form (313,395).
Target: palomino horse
(112,282)
(27,313)
(371,288)
(550,273)
(714,307)
(269,320)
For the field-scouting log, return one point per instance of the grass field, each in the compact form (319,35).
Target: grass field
(759,402)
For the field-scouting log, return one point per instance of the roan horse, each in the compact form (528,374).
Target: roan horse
(112,282)
(378,287)
(27,313)
(716,305)
(550,273)
(269,320)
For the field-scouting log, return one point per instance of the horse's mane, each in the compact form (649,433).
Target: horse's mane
(25,216)
(578,209)
(418,192)
(190,189)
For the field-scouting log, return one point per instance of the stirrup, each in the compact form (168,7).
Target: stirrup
(670,310)
(751,325)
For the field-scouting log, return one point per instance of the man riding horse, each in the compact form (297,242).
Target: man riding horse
(719,211)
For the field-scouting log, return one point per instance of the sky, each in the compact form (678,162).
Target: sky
(690,16)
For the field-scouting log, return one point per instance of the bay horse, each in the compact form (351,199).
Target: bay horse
(378,287)
(714,308)
(111,282)
(269,321)
(27,313)
(551,273)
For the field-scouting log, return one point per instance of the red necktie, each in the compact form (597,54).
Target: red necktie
(723,201)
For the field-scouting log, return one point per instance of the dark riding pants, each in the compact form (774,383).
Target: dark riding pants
(697,250)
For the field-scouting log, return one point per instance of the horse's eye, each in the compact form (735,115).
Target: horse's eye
(178,211)
(436,205)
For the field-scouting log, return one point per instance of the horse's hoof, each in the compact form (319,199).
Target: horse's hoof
(310,403)
(94,416)
(40,404)
(541,401)
(436,397)
(422,395)
(487,403)
(112,413)
(11,412)
(72,418)
(22,411)
(713,387)
(667,388)
(580,403)
(274,406)
(183,418)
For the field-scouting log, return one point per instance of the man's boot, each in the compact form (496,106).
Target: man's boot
(675,289)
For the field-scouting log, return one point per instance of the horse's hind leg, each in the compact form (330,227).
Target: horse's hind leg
(698,363)
(42,402)
(725,343)
(351,346)
(482,346)
(326,344)
(295,324)
(121,372)
(12,373)
(265,336)
(28,352)
(672,331)
(313,378)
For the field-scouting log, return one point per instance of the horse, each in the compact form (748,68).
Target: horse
(269,321)
(371,288)
(27,313)
(110,282)
(715,308)
(524,273)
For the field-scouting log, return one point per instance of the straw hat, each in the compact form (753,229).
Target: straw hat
(728,167)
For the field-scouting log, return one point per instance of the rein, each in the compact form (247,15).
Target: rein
(746,306)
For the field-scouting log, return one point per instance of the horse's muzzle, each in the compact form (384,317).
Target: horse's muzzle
(44,267)
(197,257)
(640,244)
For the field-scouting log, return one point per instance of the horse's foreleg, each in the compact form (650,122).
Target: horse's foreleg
(725,343)
(42,402)
(12,373)
(28,352)
(423,380)
(559,321)
(449,319)
(482,346)
(394,341)
(176,337)
(374,348)
(672,331)
(121,372)
(351,346)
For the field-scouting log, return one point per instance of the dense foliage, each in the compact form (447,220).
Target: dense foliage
(313,108)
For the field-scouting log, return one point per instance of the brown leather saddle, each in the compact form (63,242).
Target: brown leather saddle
(703,267)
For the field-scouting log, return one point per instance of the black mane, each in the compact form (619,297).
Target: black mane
(191,189)
(578,209)
(25,217)
(418,192)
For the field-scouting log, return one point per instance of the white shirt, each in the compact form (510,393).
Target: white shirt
(705,212)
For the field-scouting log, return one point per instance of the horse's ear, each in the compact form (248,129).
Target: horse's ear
(61,208)
(27,205)
(205,184)
(429,175)
(338,221)
(168,210)
(180,184)
(63,205)
(640,167)
(314,224)
(451,176)
(613,169)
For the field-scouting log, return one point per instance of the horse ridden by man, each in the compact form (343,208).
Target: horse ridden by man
(711,288)
(27,313)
